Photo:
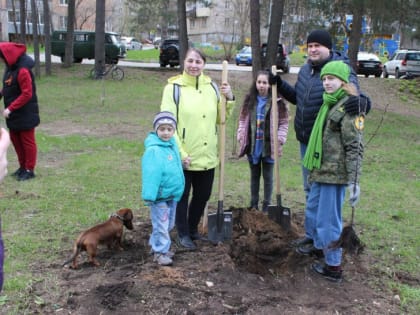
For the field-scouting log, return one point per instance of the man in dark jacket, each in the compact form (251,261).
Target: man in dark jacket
(21,106)
(307,95)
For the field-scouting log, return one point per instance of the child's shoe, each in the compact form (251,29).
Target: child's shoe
(162,259)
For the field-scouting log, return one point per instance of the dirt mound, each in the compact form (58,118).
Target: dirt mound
(257,272)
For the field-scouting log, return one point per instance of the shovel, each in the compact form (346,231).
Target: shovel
(220,223)
(277,213)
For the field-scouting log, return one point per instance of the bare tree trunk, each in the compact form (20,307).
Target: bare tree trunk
(22,10)
(68,52)
(274,33)
(255,36)
(14,21)
(100,39)
(183,36)
(34,11)
(47,34)
(356,31)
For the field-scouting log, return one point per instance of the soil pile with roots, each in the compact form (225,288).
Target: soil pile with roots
(257,272)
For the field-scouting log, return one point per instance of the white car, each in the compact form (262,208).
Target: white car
(131,43)
(403,62)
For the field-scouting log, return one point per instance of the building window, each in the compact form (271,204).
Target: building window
(227,23)
(63,22)
(192,23)
(64,2)
(227,4)
(14,16)
(203,23)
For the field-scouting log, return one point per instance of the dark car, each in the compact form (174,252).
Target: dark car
(169,53)
(368,64)
(282,60)
(244,56)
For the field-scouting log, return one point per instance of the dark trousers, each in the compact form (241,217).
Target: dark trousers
(25,147)
(188,216)
(267,173)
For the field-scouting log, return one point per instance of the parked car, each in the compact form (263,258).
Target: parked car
(368,64)
(403,62)
(156,42)
(244,56)
(131,43)
(169,52)
(282,59)
(84,46)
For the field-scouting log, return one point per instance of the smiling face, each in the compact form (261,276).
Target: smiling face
(331,83)
(194,63)
(262,84)
(165,132)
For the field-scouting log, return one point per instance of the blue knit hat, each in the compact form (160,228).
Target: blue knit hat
(164,118)
(338,69)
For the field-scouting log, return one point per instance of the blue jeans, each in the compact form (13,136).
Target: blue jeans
(305,171)
(323,218)
(163,220)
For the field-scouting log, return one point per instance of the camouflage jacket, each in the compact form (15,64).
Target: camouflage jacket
(342,148)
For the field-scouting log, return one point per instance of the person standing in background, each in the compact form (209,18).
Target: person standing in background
(21,106)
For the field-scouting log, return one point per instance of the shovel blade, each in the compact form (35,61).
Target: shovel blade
(280,215)
(220,227)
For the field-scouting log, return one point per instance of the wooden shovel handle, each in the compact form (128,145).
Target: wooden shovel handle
(275,127)
(222,132)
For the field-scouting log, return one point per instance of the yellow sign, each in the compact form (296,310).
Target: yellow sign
(359,123)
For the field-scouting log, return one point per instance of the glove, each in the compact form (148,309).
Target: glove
(273,78)
(356,105)
(354,194)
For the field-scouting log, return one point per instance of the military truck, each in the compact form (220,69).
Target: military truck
(84,46)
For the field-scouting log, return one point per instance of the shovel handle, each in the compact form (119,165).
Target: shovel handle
(222,132)
(275,126)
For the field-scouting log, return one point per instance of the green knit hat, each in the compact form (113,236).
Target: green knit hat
(338,69)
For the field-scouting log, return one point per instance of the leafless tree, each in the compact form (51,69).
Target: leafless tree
(47,34)
(68,52)
(34,19)
(183,36)
(84,12)
(274,33)
(100,38)
(22,11)
(255,36)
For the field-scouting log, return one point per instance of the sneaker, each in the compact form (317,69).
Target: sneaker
(334,274)
(197,237)
(18,172)
(309,250)
(162,259)
(301,241)
(186,242)
(170,253)
(25,175)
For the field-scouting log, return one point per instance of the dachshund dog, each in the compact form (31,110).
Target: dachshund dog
(109,233)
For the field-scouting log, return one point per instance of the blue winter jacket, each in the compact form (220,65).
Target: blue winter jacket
(162,174)
(307,95)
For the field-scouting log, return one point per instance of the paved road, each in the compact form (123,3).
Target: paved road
(125,63)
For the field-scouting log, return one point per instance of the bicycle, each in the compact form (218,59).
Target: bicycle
(116,72)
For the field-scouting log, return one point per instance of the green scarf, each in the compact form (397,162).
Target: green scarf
(313,155)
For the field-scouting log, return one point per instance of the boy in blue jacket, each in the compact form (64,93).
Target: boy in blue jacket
(162,184)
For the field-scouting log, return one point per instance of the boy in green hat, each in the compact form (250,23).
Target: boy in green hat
(334,157)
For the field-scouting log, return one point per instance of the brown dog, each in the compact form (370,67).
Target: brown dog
(109,233)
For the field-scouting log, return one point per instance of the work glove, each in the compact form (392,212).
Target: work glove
(355,105)
(273,78)
(354,194)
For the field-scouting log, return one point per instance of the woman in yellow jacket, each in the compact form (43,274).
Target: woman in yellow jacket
(194,99)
